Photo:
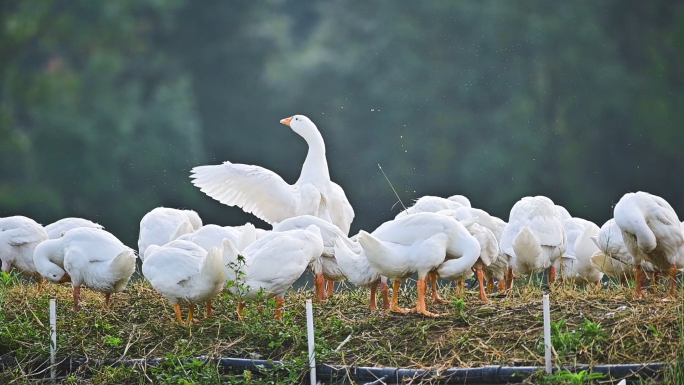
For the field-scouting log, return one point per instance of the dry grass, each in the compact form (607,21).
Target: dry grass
(468,333)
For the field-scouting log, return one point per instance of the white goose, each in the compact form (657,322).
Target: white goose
(613,258)
(575,264)
(56,229)
(272,264)
(162,225)
(353,262)
(652,233)
(534,238)
(212,236)
(497,268)
(91,257)
(266,195)
(181,271)
(19,237)
(417,243)
(325,266)
(456,270)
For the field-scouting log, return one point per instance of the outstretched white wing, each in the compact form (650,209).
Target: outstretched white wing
(254,189)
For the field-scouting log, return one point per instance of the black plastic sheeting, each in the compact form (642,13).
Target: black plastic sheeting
(484,375)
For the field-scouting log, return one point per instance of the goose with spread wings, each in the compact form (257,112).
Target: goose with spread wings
(266,195)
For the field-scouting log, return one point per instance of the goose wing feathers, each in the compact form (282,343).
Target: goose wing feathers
(254,189)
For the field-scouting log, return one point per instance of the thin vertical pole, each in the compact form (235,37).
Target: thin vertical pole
(547,333)
(310,332)
(53,337)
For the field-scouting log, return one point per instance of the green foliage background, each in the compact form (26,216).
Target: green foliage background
(106,105)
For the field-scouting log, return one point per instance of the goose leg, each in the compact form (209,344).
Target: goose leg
(279,308)
(623,280)
(331,288)
(435,293)
(373,304)
(191,314)
(395,299)
(640,279)
(502,286)
(673,284)
(460,287)
(107,297)
(41,284)
(654,283)
(490,282)
(210,312)
(552,275)
(76,295)
(177,310)
(241,306)
(509,278)
(384,287)
(319,286)
(480,277)
(420,306)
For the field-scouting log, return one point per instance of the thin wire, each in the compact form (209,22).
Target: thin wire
(390,183)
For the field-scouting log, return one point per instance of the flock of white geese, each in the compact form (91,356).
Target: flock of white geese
(188,262)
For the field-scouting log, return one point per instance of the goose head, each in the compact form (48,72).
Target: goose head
(301,125)
(46,267)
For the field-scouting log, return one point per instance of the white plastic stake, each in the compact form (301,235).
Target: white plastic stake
(310,332)
(547,332)
(53,346)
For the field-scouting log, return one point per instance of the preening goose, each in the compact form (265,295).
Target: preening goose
(19,237)
(652,233)
(353,262)
(613,258)
(266,195)
(534,238)
(457,270)
(91,257)
(56,229)
(325,266)
(575,264)
(181,271)
(162,225)
(417,243)
(272,264)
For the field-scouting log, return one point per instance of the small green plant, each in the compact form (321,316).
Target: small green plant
(653,330)
(8,279)
(459,305)
(236,282)
(564,377)
(114,342)
(589,336)
(175,371)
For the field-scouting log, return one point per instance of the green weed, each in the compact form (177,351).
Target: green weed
(564,377)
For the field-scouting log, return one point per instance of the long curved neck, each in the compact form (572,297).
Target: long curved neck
(48,253)
(315,168)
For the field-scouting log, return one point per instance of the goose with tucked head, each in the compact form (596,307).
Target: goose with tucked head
(652,233)
(91,257)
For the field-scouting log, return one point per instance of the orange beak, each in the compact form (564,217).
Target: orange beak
(286,121)
(66,278)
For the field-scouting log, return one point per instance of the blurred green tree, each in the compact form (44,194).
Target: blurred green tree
(95,119)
